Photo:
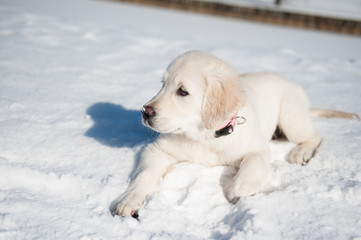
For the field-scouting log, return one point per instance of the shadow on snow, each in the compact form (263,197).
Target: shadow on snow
(116,126)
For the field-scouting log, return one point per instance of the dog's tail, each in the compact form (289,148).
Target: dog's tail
(327,113)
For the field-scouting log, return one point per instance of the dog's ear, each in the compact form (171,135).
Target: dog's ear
(223,98)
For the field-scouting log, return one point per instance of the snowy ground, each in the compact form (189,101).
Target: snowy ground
(73,75)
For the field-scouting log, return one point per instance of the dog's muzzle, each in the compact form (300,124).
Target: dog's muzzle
(148,113)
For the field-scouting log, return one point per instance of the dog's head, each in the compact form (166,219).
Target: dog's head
(199,93)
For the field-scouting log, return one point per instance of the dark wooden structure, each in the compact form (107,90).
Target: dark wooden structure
(267,15)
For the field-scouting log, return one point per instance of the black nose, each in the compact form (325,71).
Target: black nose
(148,112)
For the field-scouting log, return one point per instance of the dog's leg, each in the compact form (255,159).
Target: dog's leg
(154,165)
(305,150)
(253,173)
(296,123)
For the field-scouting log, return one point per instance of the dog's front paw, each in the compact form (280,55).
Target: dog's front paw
(128,205)
(240,189)
(246,184)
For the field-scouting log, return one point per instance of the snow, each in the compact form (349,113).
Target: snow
(73,76)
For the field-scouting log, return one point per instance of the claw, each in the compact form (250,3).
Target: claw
(235,200)
(135,215)
(114,212)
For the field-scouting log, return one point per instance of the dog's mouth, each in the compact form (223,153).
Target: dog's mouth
(155,125)
(162,125)
(148,123)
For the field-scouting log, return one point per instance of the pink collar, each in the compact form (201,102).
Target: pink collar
(228,127)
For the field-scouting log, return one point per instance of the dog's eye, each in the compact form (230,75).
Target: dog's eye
(182,92)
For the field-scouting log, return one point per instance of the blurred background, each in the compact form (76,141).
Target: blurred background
(328,15)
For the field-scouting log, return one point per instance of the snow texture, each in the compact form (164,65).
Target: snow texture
(73,76)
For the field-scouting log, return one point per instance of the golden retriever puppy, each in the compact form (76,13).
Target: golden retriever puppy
(209,114)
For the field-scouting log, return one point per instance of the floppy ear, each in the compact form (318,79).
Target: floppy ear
(223,98)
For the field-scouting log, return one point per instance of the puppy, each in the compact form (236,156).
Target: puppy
(209,114)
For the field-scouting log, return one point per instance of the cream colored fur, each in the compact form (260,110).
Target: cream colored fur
(188,123)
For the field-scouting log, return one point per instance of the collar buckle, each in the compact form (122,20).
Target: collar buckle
(224,131)
(229,127)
